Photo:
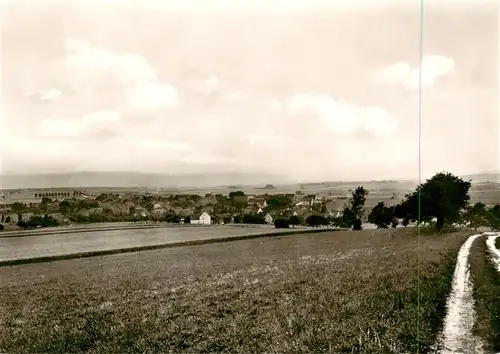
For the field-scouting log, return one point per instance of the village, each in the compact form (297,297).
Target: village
(54,208)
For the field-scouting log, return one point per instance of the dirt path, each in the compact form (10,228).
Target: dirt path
(459,321)
(495,252)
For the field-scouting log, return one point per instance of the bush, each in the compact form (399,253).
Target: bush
(1,227)
(357,225)
(394,222)
(281,224)
(295,220)
(316,220)
(253,219)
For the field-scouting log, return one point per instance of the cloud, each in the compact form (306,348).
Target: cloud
(121,81)
(339,116)
(91,125)
(48,95)
(401,73)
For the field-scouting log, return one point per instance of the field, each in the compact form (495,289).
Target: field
(486,285)
(350,292)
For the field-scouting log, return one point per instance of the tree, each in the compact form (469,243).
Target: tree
(347,218)
(281,224)
(476,215)
(316,220)
(295,220)
(253,219)
(236,194)
(147,202)
(278,202)
(46,200)
(65,207)
(441,197)
(17,207)
(2,227)
(352,215)
(381,215)
(102,197)
(493,217)
(22,224)
(238,200)
(357,225)
(358,200)
(8,219)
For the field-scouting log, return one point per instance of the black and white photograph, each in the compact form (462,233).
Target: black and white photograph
(250,176)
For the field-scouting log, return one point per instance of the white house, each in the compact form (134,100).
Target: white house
(201,218)
(268,218)
(259,211)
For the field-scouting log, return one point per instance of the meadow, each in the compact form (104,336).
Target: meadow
(373,291)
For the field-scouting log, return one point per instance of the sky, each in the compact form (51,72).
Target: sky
(315,90)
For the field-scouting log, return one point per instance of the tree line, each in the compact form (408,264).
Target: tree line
(443,200)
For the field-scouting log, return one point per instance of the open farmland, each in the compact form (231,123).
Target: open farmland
(325,292)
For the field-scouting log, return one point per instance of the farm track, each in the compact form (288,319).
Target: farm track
(458,335)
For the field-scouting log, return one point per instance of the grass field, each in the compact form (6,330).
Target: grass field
(486,285)
(351,292)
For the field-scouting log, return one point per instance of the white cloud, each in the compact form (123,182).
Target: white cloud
(161,144)
(87,126)
(212,84)
(401,73)
(237,96)
(48,95)
(339,116)
(97,72)
(205,86)
(149,98)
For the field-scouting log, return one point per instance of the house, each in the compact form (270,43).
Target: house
(55,216)
(157,206)
(159,212)
(259,211)
(11,218)
(96,211)
(201,218)
(268,218)
(310,199)
(140,211)
(27,216)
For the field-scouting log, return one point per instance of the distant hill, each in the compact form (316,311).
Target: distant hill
(172,181)
(133,179)
(490,176)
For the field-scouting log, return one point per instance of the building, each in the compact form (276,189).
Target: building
(310,199)
(201,218)
(10,218)
(268,218)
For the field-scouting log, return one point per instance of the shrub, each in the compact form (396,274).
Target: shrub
(281,224)
(357,225)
